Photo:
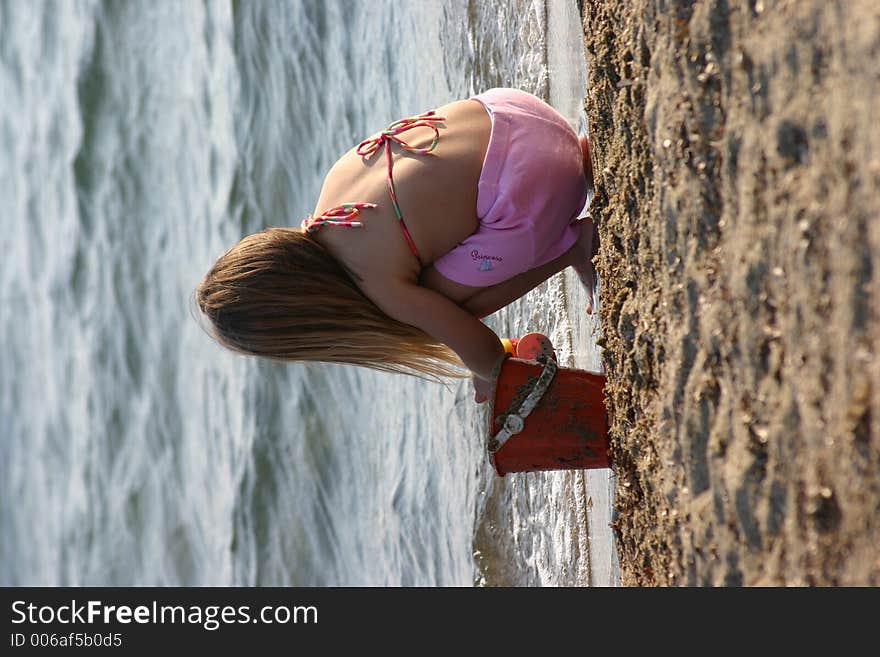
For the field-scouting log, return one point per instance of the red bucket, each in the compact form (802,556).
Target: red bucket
(545,417)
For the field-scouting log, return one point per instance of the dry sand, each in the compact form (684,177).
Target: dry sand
(737,155)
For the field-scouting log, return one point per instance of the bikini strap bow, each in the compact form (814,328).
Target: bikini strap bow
(341,215)
(429,119)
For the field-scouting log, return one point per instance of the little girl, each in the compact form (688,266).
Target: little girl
(439,220)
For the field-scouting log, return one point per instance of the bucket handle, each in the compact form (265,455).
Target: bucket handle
(514,421)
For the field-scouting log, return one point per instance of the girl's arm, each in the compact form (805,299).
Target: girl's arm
(475,343)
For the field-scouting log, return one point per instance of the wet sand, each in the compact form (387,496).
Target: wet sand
(737,156)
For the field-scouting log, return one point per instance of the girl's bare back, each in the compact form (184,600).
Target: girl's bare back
(437,193)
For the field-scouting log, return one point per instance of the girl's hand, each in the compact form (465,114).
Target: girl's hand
(482,388)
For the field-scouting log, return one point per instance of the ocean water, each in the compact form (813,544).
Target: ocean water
(139,141)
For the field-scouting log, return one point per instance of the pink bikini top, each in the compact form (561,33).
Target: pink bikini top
(347,213)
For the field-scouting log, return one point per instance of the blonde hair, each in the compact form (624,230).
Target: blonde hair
(279,294)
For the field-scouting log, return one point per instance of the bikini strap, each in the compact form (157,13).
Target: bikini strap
(425,120)
(367,148)
(341,215)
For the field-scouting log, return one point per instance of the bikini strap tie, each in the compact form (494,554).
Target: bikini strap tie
(368,147)
(341,215)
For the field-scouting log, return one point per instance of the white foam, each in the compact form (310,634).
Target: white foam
(568,78)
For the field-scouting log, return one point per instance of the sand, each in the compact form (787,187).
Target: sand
(736,147)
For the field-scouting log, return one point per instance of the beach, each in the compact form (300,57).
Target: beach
(140,141)
(737,162)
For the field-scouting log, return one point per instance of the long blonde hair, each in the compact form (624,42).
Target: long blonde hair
(279,294)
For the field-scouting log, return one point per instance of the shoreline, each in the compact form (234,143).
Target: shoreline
(553,528)
(737,168)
